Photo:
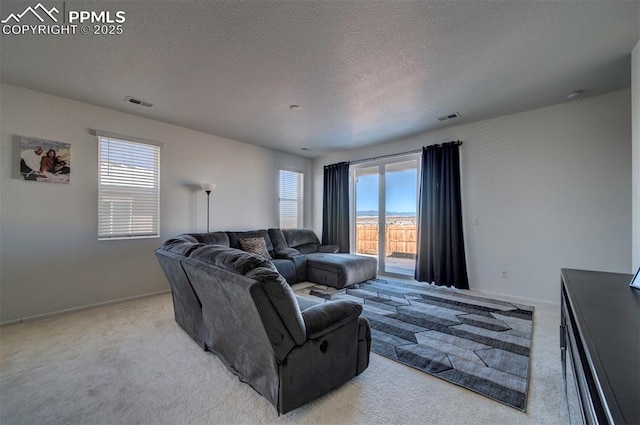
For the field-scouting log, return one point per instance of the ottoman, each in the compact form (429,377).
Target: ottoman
(340,270)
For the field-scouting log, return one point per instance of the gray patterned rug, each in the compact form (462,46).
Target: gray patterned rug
(478,343)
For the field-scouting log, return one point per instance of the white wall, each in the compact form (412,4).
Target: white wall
(50,258)
(551,188)
(635,130)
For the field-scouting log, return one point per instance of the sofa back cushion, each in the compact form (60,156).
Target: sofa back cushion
(180,246)
(273,296)
(234,239)
(304,240)
(282,298)
(278,239)
(230,259)
(212,238)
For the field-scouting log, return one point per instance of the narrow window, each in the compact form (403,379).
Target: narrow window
(128,189)
(291,199)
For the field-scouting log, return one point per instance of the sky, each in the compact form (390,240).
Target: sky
(401,191)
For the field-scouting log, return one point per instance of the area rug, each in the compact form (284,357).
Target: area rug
(478,343)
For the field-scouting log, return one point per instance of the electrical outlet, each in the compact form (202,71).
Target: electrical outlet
(504,274)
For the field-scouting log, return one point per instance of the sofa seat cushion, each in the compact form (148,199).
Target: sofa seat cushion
(308,248)
(305,303)
(287,269)
(340,270)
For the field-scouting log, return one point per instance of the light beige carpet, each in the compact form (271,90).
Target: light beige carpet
(130,363)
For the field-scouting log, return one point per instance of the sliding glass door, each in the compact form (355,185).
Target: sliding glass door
(384,213)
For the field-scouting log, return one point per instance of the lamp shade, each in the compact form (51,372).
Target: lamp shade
(208,186)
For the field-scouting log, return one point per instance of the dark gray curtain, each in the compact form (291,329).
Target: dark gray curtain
(335,206)
(441,258)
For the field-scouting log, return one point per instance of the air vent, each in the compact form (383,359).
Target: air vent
(449,117)
(139,102)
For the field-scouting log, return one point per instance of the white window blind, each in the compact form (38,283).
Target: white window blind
(291,199)
(128,189)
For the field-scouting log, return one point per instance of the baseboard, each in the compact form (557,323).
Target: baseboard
(515,298)
(84,307)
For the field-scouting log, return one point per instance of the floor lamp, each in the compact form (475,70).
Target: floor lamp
(208,187)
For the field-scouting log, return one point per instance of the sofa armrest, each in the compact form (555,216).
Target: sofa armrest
(287,253)
(364,344)
(329,249)
(324,318)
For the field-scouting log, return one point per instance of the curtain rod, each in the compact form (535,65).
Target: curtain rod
(375,158)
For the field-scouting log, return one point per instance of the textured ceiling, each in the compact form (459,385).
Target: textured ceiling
(364,72)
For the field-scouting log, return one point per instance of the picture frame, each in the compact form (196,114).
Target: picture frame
(44,161)
(635,282)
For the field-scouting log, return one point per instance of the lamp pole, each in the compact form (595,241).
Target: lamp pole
(208,187)
(208,193)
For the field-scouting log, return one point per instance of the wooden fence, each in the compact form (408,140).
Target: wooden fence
(401,240)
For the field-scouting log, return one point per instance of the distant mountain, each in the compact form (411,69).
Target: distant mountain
(374,213)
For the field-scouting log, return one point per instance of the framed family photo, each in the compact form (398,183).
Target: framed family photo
(45,160)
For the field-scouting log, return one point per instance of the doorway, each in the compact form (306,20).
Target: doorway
(384,218)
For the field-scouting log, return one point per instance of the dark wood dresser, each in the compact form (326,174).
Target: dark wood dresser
(600,347)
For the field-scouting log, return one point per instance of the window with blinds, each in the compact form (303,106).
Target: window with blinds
(291,199)
(128,189)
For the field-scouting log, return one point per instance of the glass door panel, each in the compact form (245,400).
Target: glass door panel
(400,233)
(367,211)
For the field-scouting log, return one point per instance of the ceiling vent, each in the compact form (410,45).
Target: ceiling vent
(449,117)
(139,102)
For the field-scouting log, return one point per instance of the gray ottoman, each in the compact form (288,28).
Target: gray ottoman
(340,270)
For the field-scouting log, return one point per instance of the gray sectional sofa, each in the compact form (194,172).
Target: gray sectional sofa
(239,306)
(299,256)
